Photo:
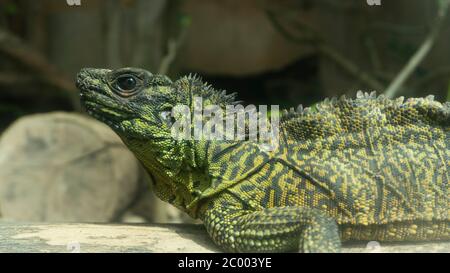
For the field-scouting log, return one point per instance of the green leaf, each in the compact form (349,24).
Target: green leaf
(10,8)
(185,21)
(443,5)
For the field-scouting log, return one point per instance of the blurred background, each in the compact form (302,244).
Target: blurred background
(56,164)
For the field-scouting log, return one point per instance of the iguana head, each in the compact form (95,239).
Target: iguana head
(130,100)
(137,105)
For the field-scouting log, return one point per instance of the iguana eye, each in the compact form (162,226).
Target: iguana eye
(126,85)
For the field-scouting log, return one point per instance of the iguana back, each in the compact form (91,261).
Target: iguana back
(379,167)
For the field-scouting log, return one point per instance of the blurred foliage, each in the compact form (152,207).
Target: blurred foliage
(13,110)
(9,113)
(443,4)
(9,8)
(448,93)
(185,20)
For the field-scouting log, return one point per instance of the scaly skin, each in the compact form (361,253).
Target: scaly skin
(364,169)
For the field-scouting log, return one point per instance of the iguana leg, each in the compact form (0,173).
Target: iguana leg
(272,230)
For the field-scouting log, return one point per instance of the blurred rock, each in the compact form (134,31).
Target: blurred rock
(132,218)
(65,167)
(236,38)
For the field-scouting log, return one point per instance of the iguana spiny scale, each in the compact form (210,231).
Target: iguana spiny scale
(369,168)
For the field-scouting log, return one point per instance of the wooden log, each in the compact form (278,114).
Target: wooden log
(85,238)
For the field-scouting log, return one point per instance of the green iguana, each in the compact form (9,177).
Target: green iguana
(369,168)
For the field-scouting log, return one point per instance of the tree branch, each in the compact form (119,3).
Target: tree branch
(34,60)
(173,46)
(421,53)
(327,51)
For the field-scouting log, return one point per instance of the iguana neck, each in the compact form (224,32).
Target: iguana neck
(196,171)
(182,180)
(226,164)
